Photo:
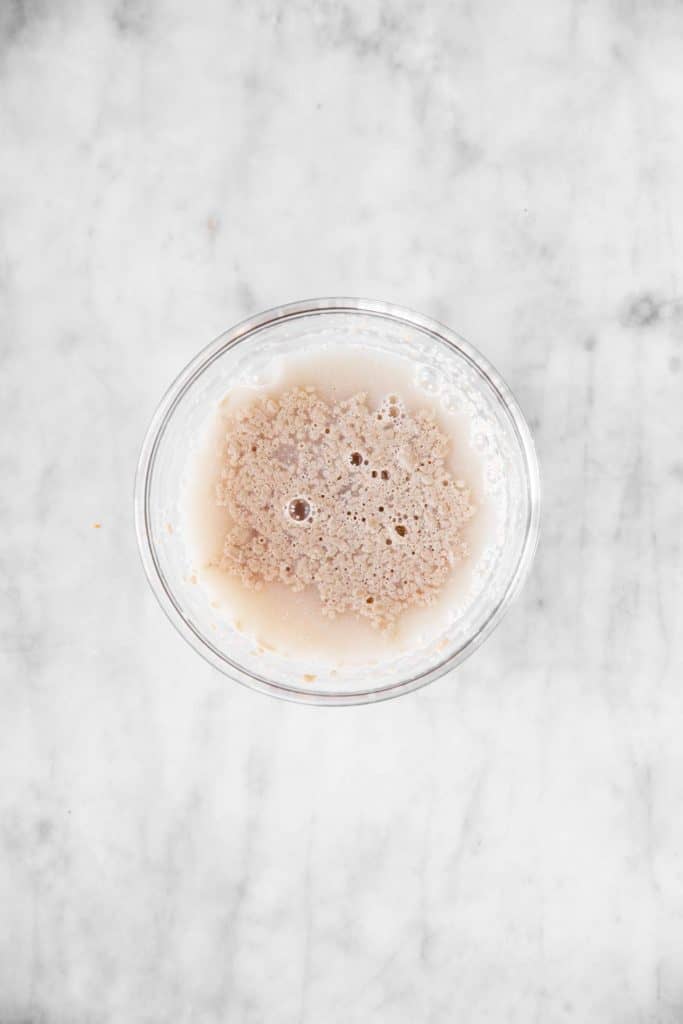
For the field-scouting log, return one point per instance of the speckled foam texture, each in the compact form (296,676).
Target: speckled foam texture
(354,500)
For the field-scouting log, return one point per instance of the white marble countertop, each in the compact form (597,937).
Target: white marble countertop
(506,845)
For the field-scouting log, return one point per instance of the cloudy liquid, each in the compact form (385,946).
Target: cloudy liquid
(291,623)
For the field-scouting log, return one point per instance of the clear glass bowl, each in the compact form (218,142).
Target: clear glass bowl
(454,372)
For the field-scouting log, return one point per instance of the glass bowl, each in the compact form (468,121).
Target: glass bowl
(454,373)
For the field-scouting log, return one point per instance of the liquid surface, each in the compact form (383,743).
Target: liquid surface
(289,622)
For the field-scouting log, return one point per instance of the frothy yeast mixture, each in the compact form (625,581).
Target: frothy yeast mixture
(337,510)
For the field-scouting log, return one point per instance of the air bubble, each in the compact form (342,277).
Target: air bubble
(299,510)
(427,379)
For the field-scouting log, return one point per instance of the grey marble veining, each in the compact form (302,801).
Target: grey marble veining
(506,844)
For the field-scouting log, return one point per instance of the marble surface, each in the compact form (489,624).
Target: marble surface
(506,845)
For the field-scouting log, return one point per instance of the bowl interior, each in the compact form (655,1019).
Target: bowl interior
(453,373)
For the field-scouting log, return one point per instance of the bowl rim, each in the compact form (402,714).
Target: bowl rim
(179,387)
